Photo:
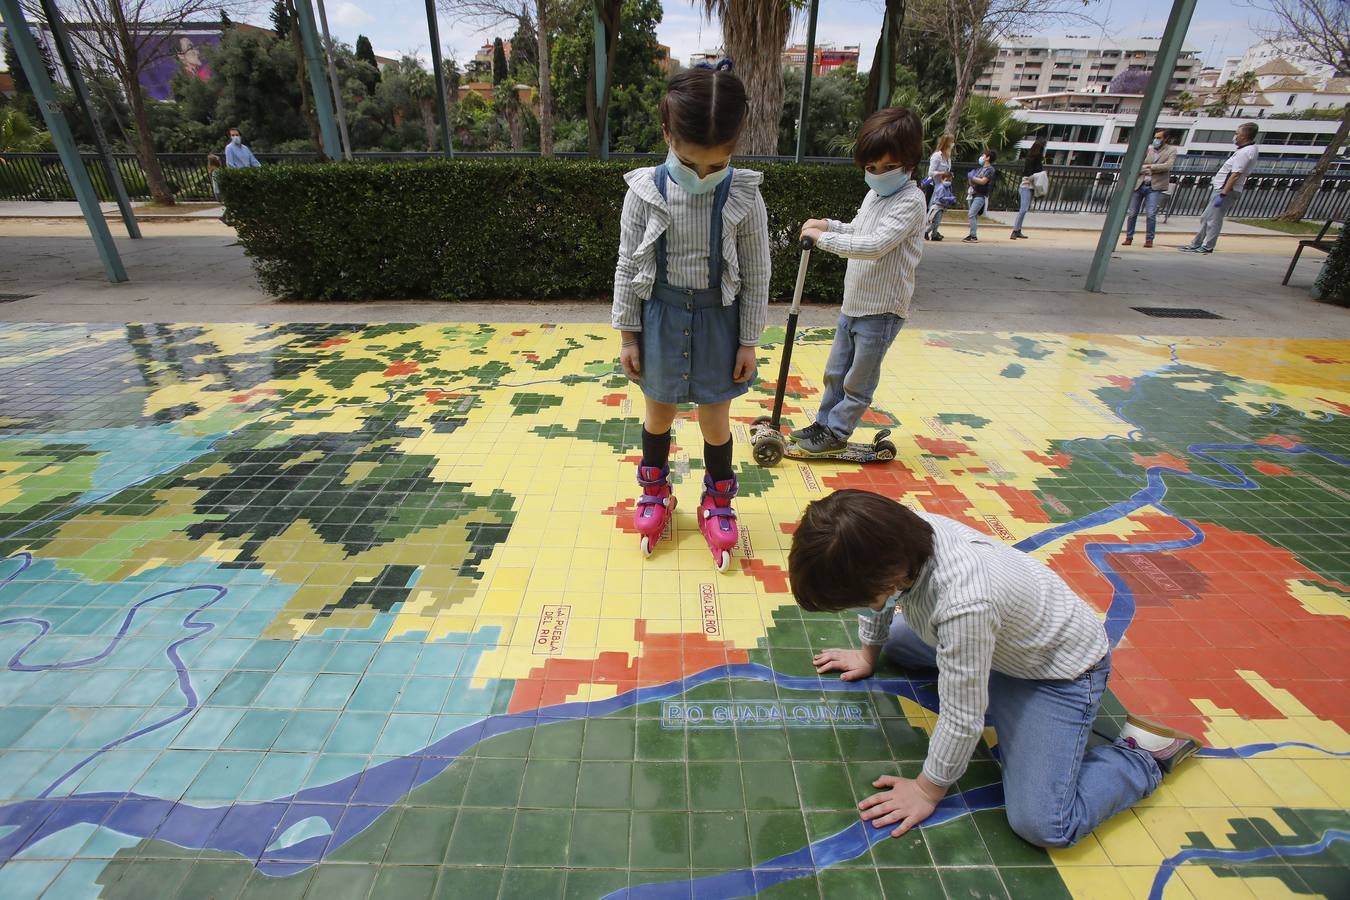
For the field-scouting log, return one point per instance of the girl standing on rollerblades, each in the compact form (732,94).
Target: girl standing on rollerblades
(691,293)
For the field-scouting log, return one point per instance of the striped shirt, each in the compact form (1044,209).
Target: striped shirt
(987,606)
(883,244)
(686,221)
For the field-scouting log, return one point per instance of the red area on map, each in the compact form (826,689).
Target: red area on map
(1166,460)
(663,658)
(333,342)
(1205,612)
(942,447)
(401,368)
(1022,504)
(1060,460)
(1270,468)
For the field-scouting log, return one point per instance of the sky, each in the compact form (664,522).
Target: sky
(1219,28)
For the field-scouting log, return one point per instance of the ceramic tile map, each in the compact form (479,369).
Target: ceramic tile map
(349,611)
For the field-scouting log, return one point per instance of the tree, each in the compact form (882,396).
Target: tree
(128,37)
(754,33)
(1322,27)
(499,70)
(634,81)
(879,75)
(366,54)
(18,134)
(282,18)
(964,26)
(23,89)
(1131,81)
(253,87)
(1229,96)
(536,15)
(1186,103)
(835,111)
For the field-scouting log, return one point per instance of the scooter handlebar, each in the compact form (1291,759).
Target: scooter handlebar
(807,243)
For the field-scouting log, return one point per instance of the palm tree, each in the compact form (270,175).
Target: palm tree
(1186,103)
(754,33)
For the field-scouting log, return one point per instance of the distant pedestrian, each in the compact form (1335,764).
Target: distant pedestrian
(939,171)
(977,195)
(1150,187)
(213,167)
(1230,178)
(237,155)
(1034,163)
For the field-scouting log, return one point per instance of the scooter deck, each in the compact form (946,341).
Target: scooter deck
(855,453)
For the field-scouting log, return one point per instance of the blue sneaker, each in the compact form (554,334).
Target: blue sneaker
(823,443)
(802,434)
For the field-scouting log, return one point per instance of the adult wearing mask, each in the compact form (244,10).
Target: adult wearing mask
(1232,175)
(238,156)
(939,169)
(1033,164)
(1150,187)
(977,195)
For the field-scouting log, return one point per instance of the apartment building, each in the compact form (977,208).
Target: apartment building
(1045,64)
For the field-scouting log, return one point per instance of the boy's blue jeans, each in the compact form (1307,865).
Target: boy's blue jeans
(1056,790)
(854,368)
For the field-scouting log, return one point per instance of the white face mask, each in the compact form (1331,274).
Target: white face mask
(236,139)
(1157,143)
(984,160)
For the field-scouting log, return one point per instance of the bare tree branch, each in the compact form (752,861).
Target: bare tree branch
(1322,26)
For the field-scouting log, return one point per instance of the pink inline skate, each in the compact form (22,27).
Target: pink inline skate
(654,507)
(717,520)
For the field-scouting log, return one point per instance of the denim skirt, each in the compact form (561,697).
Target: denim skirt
(689,343)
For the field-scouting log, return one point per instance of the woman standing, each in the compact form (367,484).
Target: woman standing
(1034,163)
(939,168)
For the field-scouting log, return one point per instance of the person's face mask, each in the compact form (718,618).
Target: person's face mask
(236,139)
(1157,143)
(888,183)
(984,160)
(890,604)
(688,179)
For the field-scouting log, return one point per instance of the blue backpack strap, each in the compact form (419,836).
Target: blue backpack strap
(715,232)
(662,176)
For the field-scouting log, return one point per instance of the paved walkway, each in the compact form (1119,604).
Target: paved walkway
(1039,221)
(64,209)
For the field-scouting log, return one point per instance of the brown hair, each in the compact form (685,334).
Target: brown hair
(705,106)
(895,131)
(947,141)
(853,546)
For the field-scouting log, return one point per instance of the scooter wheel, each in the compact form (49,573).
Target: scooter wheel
(761,420)
(768,452)
(722,559)
(646,546)
(885,450)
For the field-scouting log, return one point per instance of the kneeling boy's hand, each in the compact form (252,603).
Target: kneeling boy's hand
(851,664)
(907,801)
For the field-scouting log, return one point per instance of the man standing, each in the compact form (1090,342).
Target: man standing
(981,183)
(1151,186)
(1229,180)
(237,156)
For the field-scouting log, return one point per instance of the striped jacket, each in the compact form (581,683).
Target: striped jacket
(986,606)
(686,221)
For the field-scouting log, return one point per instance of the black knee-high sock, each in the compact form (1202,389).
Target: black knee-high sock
(655,448)
(717,460)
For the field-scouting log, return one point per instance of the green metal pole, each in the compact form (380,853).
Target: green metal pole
(601,39)
(318,80)
(437,72)
(57,25)
(45,93)
(333,80)
(806,79)
(1158,80)
(886,67)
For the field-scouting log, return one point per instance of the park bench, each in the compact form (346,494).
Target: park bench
(1321,242)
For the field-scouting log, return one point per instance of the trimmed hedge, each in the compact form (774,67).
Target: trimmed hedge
(484,230)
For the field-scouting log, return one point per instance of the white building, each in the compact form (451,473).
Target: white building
(1098,139)
(1291,53)
(1038,65)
